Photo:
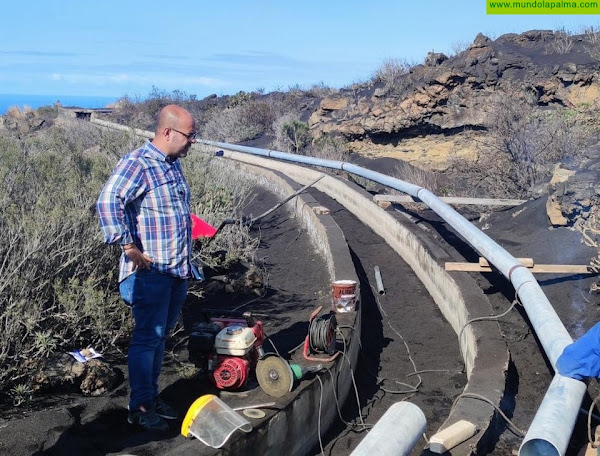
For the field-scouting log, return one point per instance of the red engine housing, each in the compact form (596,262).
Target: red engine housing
(231,372)
(227,372)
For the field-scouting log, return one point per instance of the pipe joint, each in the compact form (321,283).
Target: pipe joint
(512,269)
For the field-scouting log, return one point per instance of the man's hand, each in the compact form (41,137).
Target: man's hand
(140,260)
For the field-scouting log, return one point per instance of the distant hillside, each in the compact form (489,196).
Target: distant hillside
(432,113)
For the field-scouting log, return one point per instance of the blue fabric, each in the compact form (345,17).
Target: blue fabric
(156,300)
(581,359)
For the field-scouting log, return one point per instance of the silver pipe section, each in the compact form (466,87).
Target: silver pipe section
(379,281)
(557,407)
(554,422)
(396,432)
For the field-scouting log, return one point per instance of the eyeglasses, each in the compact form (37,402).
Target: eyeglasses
(190,136)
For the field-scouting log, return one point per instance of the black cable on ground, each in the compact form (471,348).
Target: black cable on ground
(491,317)
(511,425)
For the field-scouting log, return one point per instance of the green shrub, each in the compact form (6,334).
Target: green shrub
(239,99)
(141,112)
(58,280)
(291,135)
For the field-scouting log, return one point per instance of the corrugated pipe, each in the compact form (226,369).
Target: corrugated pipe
(553,424)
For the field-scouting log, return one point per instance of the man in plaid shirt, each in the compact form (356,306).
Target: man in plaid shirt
(145,208)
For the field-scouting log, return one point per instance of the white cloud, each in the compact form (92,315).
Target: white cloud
(160,80)
(204,81)
(111,83)
(119,78)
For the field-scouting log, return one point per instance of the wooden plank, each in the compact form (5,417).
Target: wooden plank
(590,450)
(451,436)
(537,269)
(465,267)
(450,200)
(561,269)
(524,261)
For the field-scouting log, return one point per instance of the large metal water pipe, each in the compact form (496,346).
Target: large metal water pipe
(553,424)
(395,433)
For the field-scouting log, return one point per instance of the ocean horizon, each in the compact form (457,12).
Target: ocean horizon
(37,101)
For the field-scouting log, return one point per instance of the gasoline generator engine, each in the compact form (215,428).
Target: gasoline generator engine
(227,348)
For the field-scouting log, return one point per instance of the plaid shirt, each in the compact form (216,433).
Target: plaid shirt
(146,201)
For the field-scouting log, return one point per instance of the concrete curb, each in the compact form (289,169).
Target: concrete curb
(488,375)
(484,352)
(293,429)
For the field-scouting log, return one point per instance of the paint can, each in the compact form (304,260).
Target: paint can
(344,295)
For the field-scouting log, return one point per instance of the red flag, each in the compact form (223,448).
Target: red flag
(201,229)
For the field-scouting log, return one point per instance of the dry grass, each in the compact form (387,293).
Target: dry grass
(562,41)
(14,112)
(220,190)
(246,117)
(591,42)
(234,118)
(429,180)
(522,146)
(588,224)
(329,148)
(394,75)
(17,113)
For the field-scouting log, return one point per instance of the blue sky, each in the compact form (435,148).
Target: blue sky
(115,48)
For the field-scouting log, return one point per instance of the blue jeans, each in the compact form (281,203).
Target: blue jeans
(156,300)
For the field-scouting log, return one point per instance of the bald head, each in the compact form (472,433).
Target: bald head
(172,116)
(173,127)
